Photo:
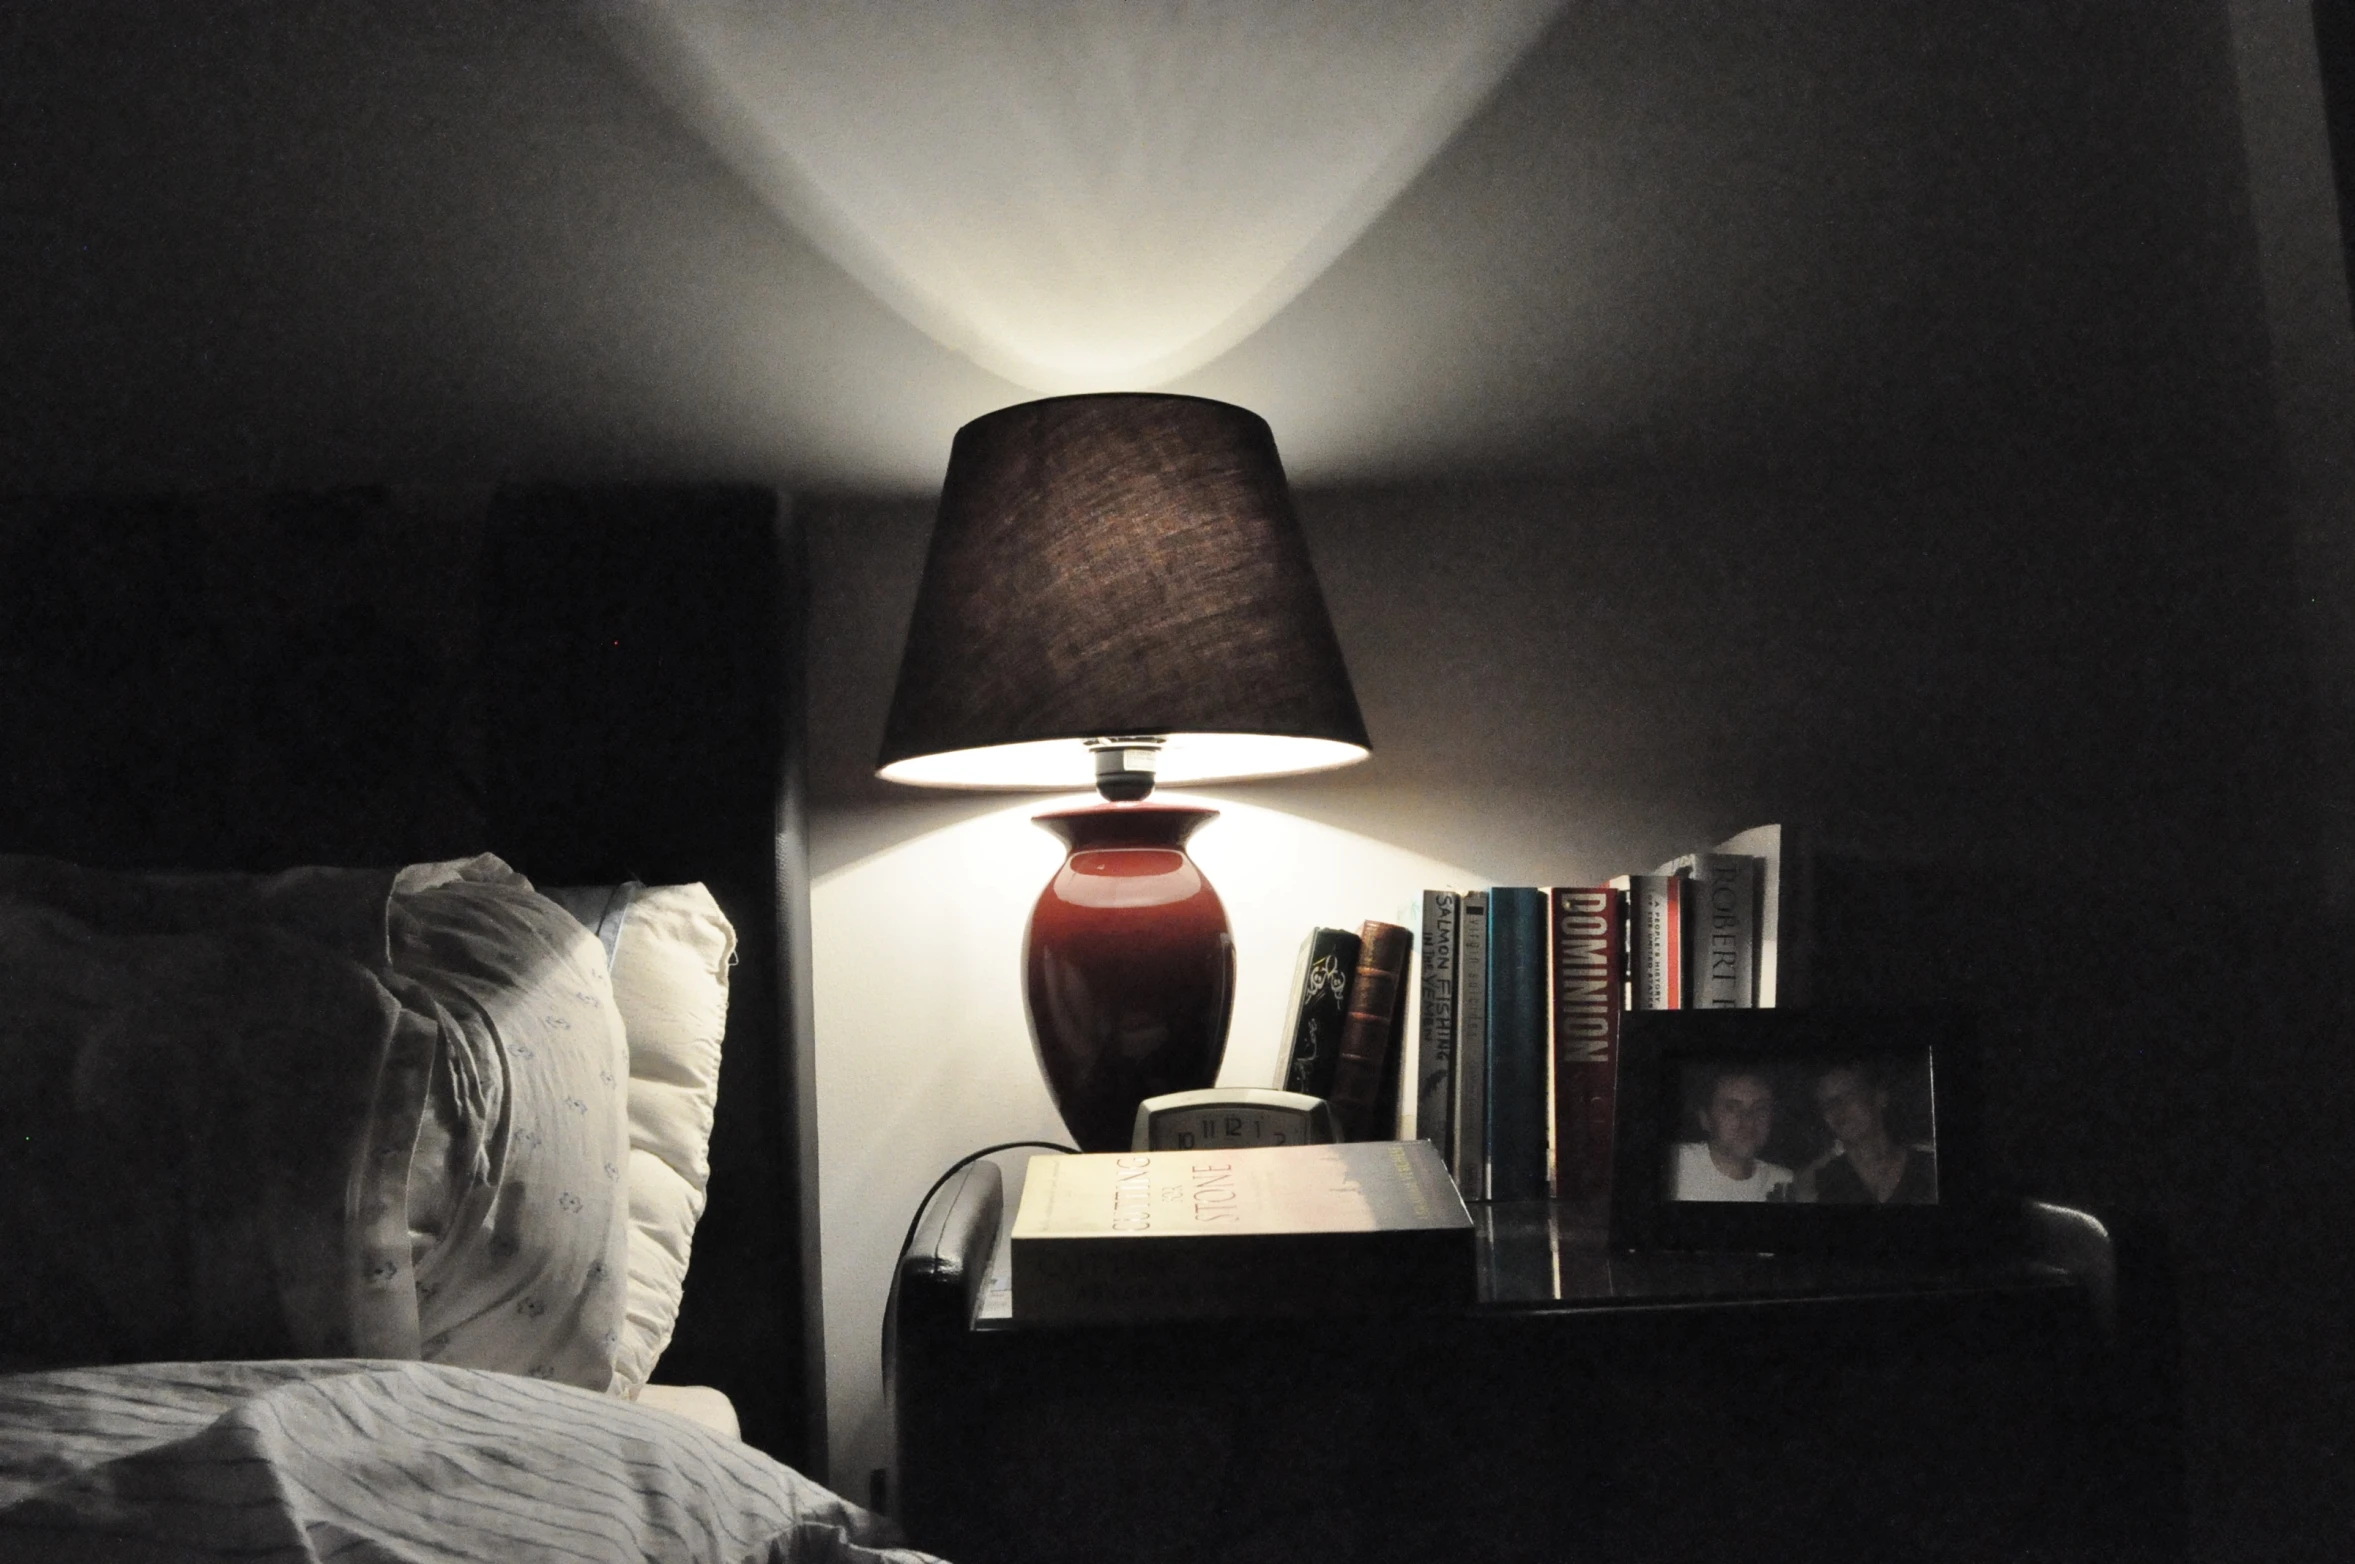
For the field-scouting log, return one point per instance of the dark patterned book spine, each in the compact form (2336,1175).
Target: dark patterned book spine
(1436,1047)
(1517,1027)
(1367,1033)
(1589,979)
(1320,992)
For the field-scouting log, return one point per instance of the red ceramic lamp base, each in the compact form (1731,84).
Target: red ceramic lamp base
(1128,967)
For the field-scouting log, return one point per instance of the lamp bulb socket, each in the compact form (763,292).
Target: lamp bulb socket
(1125,771)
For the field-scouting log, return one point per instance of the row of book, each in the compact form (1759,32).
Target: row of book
(1500,1045)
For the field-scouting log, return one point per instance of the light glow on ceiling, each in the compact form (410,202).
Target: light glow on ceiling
(1079,195)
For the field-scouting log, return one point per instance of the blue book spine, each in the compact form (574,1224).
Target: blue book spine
(1517,1043)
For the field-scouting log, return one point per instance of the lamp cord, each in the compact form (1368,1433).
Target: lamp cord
(960,1165)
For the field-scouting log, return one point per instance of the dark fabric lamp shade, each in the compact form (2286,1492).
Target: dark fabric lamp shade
(1117,566)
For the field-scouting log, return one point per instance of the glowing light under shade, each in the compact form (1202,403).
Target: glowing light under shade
(1068,764)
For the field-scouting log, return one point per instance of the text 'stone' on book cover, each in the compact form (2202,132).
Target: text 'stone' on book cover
(1357,1227)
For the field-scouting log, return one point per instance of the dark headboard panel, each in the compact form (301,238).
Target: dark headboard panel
(595,683)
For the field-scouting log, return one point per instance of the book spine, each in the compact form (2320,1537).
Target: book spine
(1517,1029)
(1724,940)
(1368,1032)
(1624,886)
(1549,1110)
(1469,1162)
(1783,910)
(1656,947)
(1393,1112)
(1589,976)
(1436,1044)
(1320,992)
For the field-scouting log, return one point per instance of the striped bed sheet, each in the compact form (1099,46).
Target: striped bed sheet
(372,1461)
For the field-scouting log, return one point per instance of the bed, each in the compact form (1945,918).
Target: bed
(238,728)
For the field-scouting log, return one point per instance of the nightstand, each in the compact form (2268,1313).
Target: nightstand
(1749,1408)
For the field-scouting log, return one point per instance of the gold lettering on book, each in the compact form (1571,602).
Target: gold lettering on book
(1416,1197)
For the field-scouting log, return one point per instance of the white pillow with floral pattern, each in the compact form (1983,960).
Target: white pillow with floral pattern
(519,1208)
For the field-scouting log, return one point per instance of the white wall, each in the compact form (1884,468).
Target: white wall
(924,1053)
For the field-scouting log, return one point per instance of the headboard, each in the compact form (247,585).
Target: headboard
(596,683)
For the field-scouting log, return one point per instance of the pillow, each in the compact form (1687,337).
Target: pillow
(214,1084)
(671,948)
(518,1206)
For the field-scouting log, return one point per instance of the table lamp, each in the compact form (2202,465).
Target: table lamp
(1117,593)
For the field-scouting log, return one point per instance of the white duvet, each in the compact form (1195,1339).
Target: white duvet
(368,1460)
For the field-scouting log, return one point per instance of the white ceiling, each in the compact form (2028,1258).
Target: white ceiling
(804,241)
(1079,195)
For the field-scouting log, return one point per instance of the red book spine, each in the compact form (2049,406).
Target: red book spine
(1367,1033)
(1589,973)
(1675,911)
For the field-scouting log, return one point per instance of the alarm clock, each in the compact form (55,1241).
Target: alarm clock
(1227,1116)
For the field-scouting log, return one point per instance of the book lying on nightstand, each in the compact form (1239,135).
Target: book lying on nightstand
(1360,1227)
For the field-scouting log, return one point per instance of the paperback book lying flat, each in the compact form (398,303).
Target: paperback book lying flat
(1360,1227)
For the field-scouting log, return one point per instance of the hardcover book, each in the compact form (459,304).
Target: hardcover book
(1367,1071)
(1367,1226)
(1656,941)
(1394,1109)
(1320,1003)
(1470,1159)
(1589,984)
(1781,908)
(1436,1046)
(1722,938)
(1517,1030)
(1786,911)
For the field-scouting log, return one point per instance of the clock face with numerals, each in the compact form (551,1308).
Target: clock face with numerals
(1224,1117)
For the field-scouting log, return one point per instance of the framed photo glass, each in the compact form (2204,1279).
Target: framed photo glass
(1827,1132)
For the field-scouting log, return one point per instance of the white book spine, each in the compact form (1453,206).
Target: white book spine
(1723,944)
(1782,911)
(1470,1162)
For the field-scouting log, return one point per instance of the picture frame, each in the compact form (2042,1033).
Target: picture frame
(1729,1134)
